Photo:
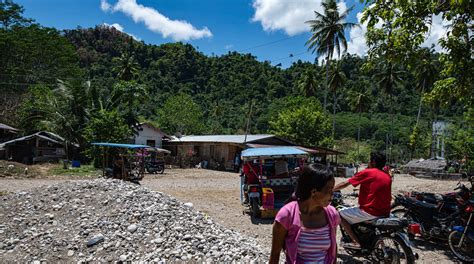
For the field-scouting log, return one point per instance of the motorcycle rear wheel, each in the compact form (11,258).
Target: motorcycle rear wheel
(160,170)
(255,208)
(396,249)
(466,251)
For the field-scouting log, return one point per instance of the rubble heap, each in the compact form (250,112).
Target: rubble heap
(111,220)
(428,164)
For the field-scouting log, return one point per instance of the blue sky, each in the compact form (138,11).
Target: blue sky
(272,30)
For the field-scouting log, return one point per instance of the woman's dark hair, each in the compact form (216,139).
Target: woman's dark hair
(379,159)
(314,176)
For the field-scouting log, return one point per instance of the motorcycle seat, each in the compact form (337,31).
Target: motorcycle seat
(426,205)
(387,222)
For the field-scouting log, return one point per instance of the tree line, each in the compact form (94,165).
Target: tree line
(81,82)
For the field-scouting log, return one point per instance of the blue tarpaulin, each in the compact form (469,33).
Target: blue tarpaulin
(131,146)
(272,153)
(118,145)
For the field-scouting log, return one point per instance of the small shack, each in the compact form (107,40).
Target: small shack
(37,147)
(216,151)
(7,132)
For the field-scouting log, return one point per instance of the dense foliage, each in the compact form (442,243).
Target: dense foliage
(71,81)
(302,120)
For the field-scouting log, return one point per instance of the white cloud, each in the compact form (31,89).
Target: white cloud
(437,31)
(115,25)
(287,15)
(356,44)
(229,46)
(176,29)
(120,28)
(104,5)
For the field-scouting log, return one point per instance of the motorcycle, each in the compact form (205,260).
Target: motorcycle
(430,222)
(447,203)
(383,240)
(461,238)
(433,214)
(154,167)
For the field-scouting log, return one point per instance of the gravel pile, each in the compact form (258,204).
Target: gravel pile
(428,164)
(111,220)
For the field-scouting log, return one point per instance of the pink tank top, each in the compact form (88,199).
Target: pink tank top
(313,244)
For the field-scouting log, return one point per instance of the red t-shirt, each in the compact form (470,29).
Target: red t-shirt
(375,192)
(251,173)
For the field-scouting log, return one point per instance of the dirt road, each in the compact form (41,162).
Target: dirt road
(217,194)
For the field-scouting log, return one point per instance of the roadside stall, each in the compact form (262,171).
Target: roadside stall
(269,177)
(123,161)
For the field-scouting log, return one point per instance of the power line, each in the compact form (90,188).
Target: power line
(290,56)
(268,43)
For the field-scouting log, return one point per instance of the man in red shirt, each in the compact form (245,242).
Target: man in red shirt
(375,194)
(250,173)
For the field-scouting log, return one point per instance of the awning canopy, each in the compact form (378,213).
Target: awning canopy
(130,146)
(312,151)
(119,145)
(320,151)
(273,153)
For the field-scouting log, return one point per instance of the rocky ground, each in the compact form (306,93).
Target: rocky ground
(216,195)
(110,220)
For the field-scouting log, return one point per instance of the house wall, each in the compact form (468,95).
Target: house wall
(149,133)
(213,153)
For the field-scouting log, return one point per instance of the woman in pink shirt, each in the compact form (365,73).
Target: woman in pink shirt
(306,227)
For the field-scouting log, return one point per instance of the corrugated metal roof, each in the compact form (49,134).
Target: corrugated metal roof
(272,152)
(42,134)
(238,139)
(7,127)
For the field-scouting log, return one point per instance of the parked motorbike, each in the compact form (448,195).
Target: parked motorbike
(461,238)
(432,223)
(447,203)
(154,167)
(383,240)
(434,214)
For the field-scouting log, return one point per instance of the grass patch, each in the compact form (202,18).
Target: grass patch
(15,169)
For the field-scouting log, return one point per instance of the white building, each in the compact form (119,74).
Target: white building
(150,135)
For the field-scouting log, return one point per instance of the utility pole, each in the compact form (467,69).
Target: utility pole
(248,122)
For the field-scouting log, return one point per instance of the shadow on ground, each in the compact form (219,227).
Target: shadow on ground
(262,221)
(440,246)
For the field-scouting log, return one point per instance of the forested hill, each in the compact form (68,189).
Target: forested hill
(105,74)
(223,84)
(98,84)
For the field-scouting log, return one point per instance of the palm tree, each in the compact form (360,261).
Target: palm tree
(359,100)
(307,84)
(389,77)
(328,34)
(425,74)
(127,67)
(337,80)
